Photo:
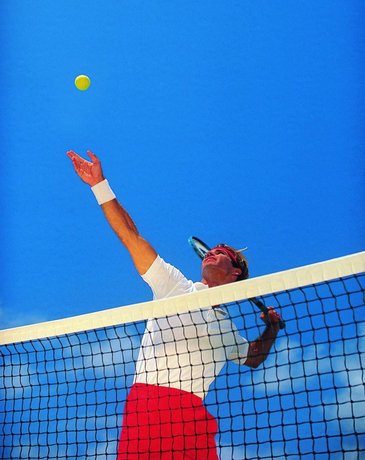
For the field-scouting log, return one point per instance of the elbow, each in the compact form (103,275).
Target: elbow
(130,238)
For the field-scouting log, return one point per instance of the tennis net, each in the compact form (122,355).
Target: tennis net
(64,384)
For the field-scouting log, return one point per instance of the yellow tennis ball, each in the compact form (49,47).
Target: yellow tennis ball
(82,82)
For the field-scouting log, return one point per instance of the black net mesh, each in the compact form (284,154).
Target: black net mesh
(64,397)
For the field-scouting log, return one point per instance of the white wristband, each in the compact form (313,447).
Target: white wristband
(103,192)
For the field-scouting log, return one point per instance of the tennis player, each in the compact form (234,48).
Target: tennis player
(180,355)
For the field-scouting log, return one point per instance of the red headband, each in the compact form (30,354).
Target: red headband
(231,254)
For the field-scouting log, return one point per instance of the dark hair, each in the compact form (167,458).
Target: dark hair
(240,262)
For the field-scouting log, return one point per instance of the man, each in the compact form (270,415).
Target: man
(180,355)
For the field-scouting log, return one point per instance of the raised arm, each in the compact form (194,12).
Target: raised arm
(91,173)
(259,348)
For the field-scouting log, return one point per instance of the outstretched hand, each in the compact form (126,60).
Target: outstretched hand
(271,318)
(89,171)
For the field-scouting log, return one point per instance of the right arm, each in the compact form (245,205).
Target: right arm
(259,348)
(141,251)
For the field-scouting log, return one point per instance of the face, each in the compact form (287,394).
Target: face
(217,268)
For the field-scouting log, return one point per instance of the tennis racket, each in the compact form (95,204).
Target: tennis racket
(199,246)
(201,249)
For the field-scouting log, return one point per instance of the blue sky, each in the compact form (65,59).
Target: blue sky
(239,122)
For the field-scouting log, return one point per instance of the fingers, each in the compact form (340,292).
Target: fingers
(80,165)
(71,154)
(93,157)
(272,316)
(77,162)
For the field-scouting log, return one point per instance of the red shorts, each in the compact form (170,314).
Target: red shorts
(162,423)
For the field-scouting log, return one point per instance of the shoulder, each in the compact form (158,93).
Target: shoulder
(161,271)
(165,280)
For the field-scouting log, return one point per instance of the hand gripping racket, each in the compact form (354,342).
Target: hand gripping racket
(201,249)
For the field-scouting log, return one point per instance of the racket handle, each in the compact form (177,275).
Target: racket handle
(264,309)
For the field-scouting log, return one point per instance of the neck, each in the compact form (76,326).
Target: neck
(214,283)
(213,276)
(210,284)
